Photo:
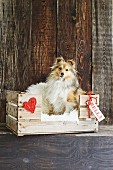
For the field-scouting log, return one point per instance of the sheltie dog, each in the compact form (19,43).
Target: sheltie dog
(60,93)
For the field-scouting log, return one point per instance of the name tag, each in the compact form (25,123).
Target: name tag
(96,111)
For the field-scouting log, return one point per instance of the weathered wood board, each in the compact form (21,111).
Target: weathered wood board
(66,29)
(102,55)
(43,45)
(57,152)
(83,43)
(15,48)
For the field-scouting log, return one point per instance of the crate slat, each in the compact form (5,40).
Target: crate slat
(23,97)
(27,128)
(84,113)
(12,96)
(12,123)
(20,97)
(20,113)
(85,98)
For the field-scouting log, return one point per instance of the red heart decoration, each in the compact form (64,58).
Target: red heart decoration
(30,105)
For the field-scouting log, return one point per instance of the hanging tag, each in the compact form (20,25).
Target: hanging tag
(96,111)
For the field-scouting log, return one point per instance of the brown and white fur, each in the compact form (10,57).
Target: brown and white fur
(61,91)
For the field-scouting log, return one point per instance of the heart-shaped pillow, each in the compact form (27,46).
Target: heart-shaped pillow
(30,105)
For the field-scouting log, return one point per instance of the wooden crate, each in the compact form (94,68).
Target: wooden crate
(22,122)
(14,105)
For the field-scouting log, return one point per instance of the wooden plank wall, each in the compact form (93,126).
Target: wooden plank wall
(83,43)
(43,38)
(15,43)
(102,56)
(27,45)
(66,29)
(15,47)
(74,36)
(26,52)
(34,32)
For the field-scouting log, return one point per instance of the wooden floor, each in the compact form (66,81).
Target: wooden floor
(91,151)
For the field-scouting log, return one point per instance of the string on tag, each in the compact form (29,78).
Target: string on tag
(88,102)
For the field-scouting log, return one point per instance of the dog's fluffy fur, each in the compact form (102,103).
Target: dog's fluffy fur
(61,91)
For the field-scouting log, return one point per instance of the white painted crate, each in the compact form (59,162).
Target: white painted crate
(22,122)
(14,105)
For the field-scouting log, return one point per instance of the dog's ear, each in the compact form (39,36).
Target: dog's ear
(71,62)
(59,59)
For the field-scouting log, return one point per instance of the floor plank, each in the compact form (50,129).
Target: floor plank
(57,152)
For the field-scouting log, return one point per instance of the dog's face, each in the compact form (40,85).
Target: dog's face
(63,70)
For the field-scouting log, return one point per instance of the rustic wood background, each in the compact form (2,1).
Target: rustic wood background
(102,55)
(33,33)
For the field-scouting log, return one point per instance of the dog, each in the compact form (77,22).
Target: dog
(60,93)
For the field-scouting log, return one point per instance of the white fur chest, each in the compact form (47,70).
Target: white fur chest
(57,90)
